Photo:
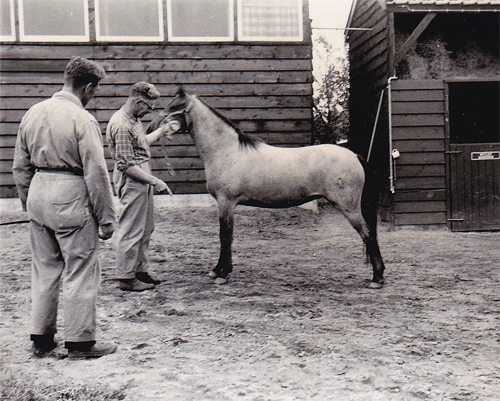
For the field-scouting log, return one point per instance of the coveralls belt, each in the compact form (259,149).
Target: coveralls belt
(69,171)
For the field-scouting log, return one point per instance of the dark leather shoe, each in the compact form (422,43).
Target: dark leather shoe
(135,286)
(42,350)
(146,278)
(96,351)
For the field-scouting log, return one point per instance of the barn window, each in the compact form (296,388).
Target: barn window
(270,20)
(7,22)
(200,20)
(54,20)
(125,20)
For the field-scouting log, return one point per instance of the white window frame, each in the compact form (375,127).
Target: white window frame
(103,38)
(229,38)
(12,36)
(298,38)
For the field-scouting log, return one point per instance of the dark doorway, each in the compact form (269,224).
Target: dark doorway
(474,155)
(474,112)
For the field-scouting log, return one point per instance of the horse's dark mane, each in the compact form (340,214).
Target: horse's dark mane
(245,140)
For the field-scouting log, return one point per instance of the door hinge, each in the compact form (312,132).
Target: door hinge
(454,219)
(453,152)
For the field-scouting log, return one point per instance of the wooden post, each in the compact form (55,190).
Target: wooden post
(92,22)
(392,44)
(413,37)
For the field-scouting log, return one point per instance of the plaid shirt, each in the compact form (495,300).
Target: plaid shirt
(127,141)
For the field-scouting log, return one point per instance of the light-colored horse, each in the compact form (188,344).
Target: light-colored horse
(240,169)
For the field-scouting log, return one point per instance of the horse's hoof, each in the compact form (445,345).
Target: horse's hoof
(375,286)
(222,280)
(212,274)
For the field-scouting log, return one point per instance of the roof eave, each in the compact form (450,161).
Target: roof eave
(349,20)
(448,8)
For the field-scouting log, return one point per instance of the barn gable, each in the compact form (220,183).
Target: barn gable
(437,53)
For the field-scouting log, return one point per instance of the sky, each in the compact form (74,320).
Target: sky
(328,14)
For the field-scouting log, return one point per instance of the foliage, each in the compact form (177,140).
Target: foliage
(331,98)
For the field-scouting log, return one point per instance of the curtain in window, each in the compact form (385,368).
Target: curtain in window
(270,18)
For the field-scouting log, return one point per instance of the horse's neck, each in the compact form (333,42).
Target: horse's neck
(211,135)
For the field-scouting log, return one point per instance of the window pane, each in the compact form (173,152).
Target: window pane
(201,19)
(129,19)
(7,20)
(270,19)
(63,20)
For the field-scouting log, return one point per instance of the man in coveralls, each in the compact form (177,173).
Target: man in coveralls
(63,184)
(135,185)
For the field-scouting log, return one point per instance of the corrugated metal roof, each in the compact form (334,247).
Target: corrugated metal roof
(464,3)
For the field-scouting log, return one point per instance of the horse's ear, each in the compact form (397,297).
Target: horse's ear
(180,91)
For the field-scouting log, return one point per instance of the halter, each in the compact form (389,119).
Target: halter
(184,111)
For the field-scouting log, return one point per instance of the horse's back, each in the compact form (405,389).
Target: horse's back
(274,176)
(315,157)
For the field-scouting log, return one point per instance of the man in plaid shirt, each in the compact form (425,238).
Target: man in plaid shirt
(135,185)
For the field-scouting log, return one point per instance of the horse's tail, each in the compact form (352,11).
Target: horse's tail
(370,198)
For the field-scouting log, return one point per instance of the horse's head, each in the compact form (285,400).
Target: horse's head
(176,110)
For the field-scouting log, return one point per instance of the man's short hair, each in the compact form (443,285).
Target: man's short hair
(80,72)
(144,90)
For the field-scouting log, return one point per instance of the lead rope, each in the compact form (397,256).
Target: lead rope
(170,170)
(167,119)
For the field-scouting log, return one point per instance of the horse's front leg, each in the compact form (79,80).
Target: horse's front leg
(226,220)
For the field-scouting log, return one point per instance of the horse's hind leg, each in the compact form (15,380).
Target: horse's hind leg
(226,222)
(369,237)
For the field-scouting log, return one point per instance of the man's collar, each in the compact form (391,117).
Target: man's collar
(69,96)
(129,116)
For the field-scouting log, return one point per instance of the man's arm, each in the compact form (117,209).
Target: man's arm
(124,158)
(95,173)
(167,129)
(138,174)
(22,170)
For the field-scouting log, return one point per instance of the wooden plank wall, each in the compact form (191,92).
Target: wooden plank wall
(368,58)
(265,88)
(418,123)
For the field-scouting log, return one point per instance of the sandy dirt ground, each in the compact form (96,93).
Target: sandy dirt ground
(295,321)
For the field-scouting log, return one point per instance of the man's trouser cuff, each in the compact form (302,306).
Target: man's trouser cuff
(42,340)
(78,346)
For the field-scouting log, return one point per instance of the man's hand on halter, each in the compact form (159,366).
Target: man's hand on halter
(170,127)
